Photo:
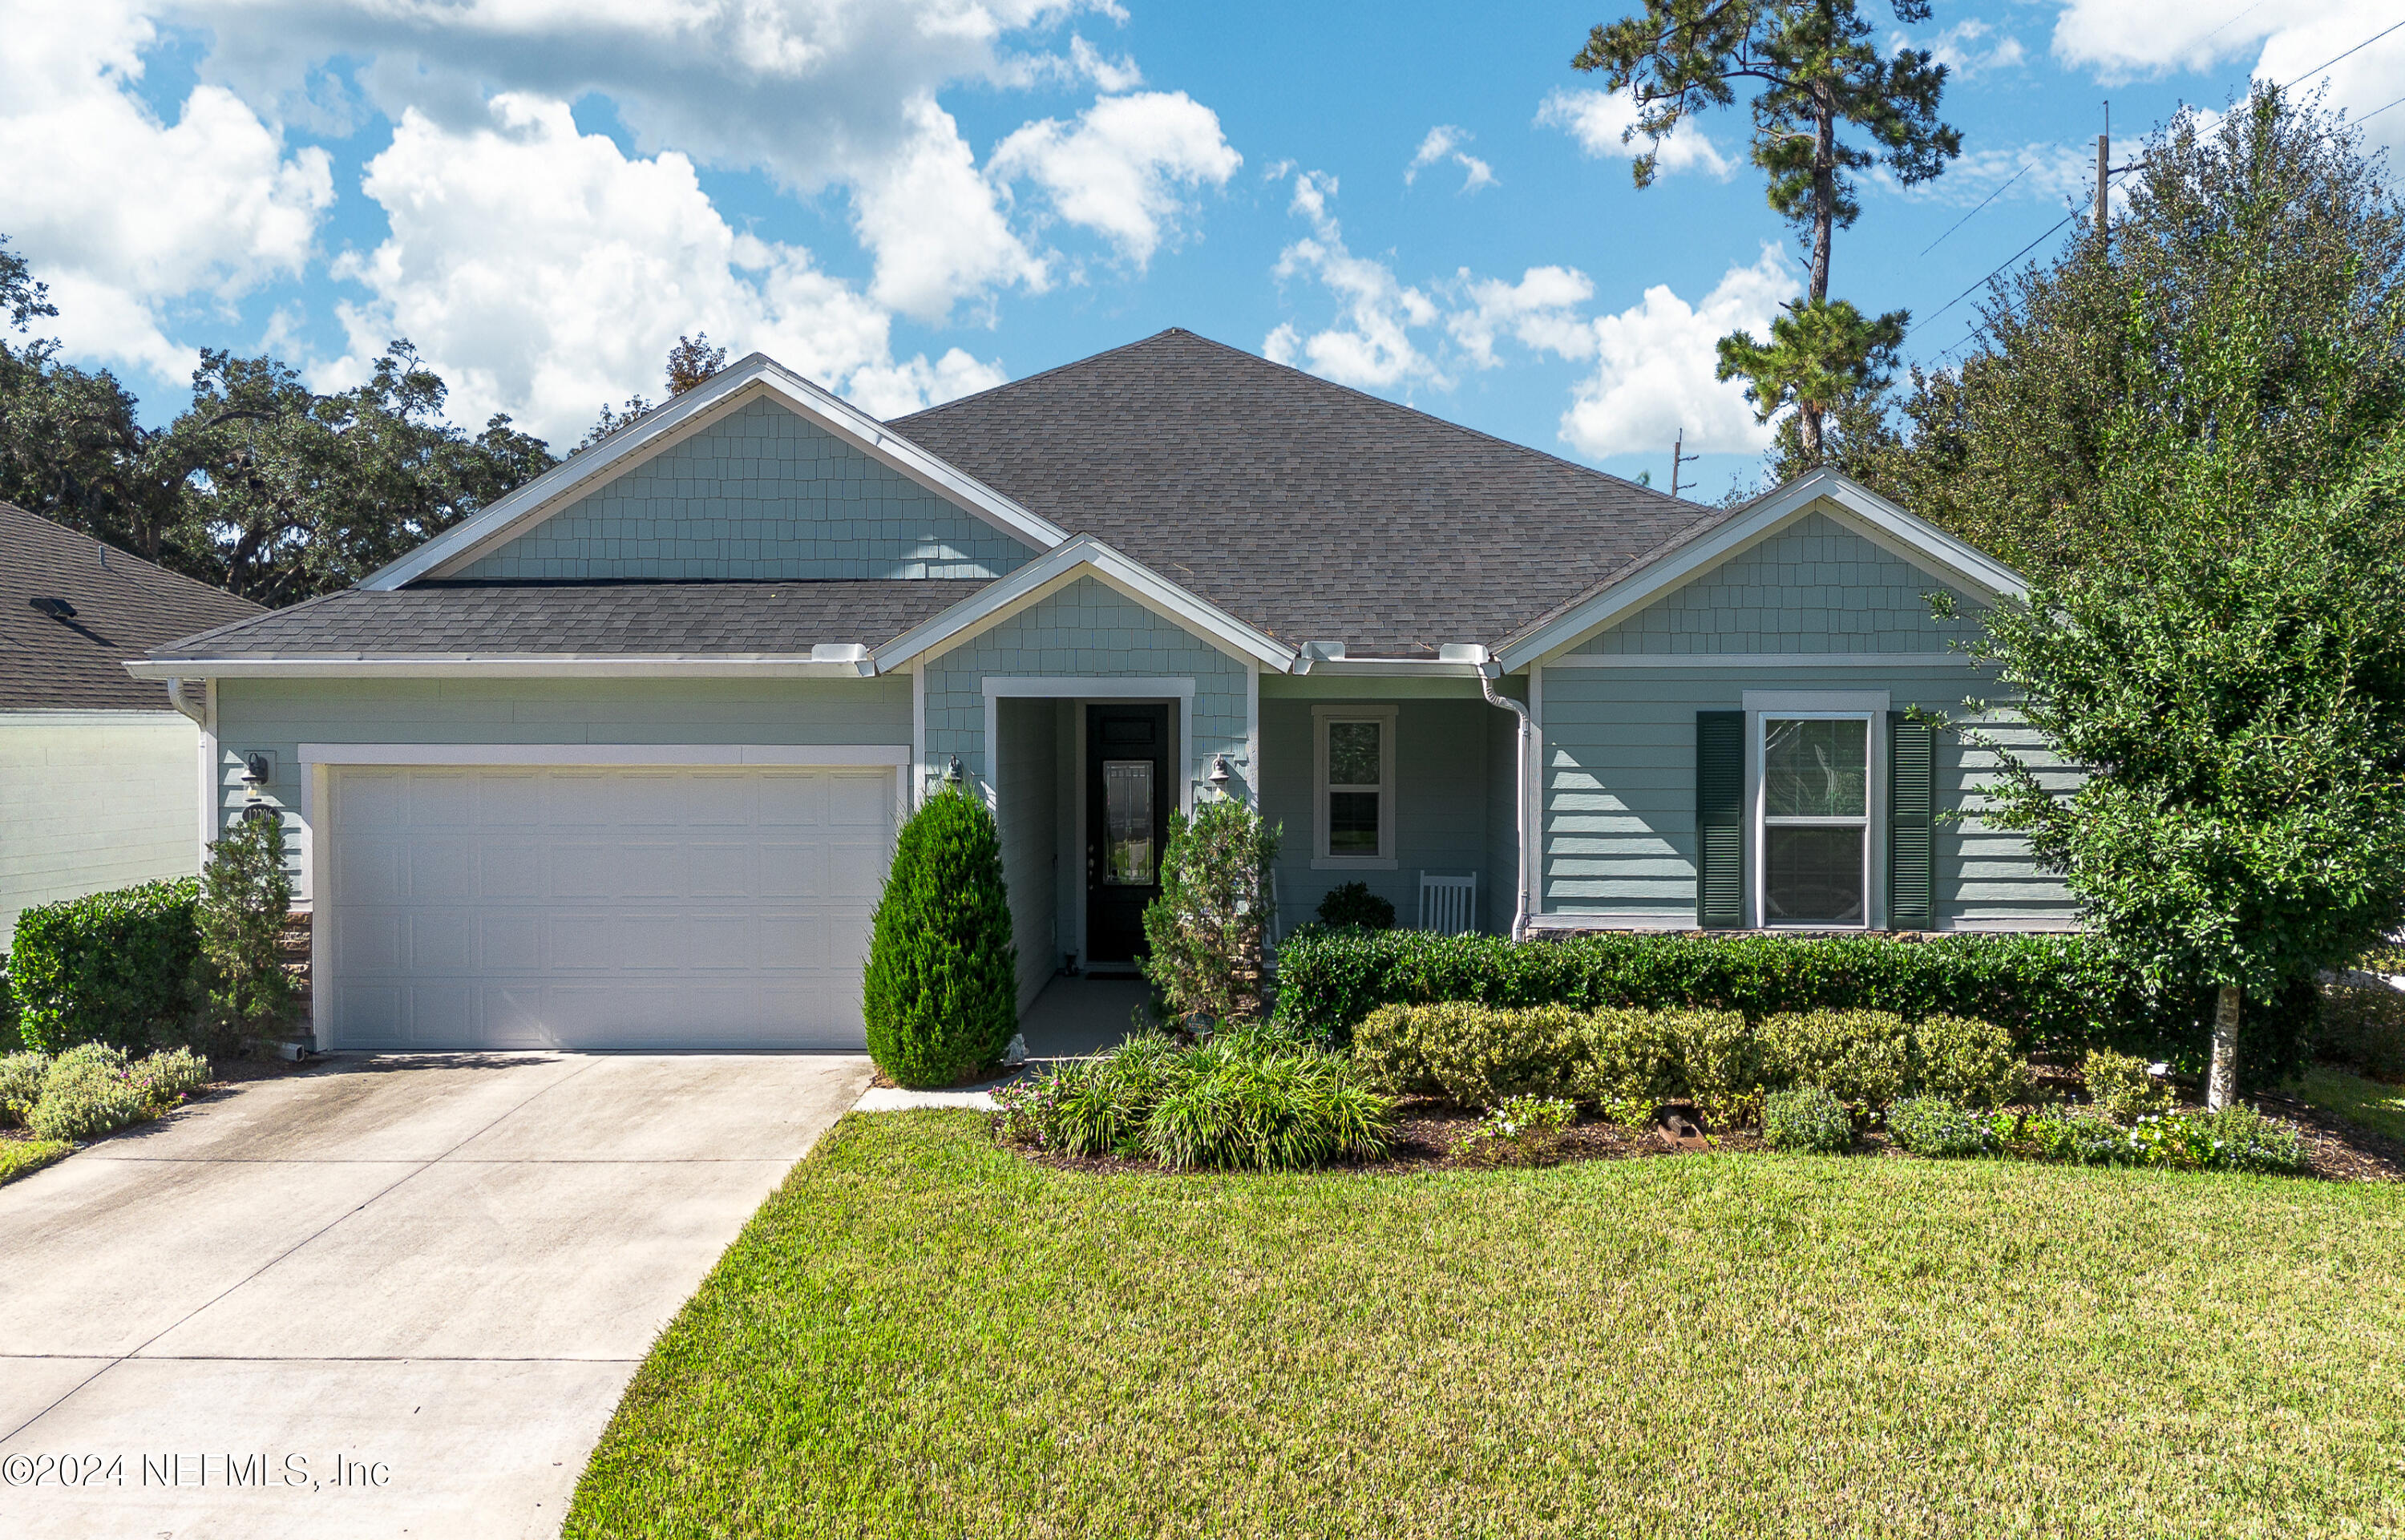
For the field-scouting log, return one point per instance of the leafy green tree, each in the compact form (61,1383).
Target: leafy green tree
(245,898)
(1204,935)
(1814,69)
(941,995)
(2276,198)
(2230,670)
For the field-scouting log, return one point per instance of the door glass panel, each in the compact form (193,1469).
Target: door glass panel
(1814,875)
(1128,855)
(1352,823)
(1353,753)
(1814,768)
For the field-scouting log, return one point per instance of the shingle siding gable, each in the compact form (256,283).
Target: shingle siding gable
(762,495)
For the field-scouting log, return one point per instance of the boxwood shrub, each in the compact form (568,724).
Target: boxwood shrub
(2051,993)
(117,967)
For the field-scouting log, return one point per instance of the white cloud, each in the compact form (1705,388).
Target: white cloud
(2137,39)
(818,95)
(1654,362)
(1968,47)
(1597,119)
(1540,311)
(1443,143)
(122,213)
(544,272)
(1124,169)
(1371,344)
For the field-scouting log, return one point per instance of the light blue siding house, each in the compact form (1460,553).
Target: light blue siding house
(618,762)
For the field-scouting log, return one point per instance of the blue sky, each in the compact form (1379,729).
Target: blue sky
(913,198)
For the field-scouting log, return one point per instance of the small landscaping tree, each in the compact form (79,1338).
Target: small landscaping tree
(245,898)
(1204,932)
(941,995)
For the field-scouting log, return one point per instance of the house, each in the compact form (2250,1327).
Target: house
(618,761)
(98,771)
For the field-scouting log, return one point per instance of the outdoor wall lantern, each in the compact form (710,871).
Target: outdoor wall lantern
(258,770)
(1220,774)
(952,774)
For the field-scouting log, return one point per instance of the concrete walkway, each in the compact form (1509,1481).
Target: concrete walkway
(397,1296)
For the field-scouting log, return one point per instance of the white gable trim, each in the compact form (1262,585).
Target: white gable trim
(1839,498)
(730,389)
(1048,574)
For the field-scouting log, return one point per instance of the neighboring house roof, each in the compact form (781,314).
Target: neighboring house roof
(1305,509)
(123,606)
(585,619)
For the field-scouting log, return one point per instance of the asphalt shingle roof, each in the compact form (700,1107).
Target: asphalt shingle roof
(1310,511)
(585,618)
(123,607)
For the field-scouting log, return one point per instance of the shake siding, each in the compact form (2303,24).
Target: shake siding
(1088,630)
(282,714)
(762,495)
(1813,588)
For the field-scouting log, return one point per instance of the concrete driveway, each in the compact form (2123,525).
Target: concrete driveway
(394,1296)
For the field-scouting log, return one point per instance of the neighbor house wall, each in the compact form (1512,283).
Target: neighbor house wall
(94,800)
(761,494)
(1445,792)
(281,714)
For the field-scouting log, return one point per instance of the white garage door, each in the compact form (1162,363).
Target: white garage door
(508,907)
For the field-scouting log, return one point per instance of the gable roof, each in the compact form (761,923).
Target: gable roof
(1304,508)
(749,378)
(123,606)
(1727,532)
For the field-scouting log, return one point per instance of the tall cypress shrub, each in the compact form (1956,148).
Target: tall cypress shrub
(942,998)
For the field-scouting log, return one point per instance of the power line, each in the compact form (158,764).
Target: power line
(2357,49)
(1983,203)
(2377,111)
(1982,283)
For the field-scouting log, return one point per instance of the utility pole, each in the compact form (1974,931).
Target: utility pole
(2104,159)
(1678,459)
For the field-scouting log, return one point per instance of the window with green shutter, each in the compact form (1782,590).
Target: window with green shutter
(1720,820)
(1911,823)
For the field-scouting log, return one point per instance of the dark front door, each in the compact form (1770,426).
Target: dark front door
(1127,821)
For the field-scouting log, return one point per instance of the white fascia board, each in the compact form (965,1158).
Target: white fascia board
(1391,668)
(1853,507)
(1083,556)
(508,666)
(726,392)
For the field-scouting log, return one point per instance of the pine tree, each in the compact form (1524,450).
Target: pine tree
(941,996)
(245,894)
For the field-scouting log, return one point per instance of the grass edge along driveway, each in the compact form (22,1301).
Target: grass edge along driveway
(923,1334)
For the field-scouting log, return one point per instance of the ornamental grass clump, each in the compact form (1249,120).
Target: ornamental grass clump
(1247,1100)
(1806,1118)
(940,998)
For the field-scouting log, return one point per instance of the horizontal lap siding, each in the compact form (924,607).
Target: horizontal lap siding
(281,714)
(94,805)
(1619,794)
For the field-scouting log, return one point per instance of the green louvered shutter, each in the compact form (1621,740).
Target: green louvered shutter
(1911,819)
(1720,820)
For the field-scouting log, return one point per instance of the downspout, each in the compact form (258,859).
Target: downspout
(1487,673)
(175,698)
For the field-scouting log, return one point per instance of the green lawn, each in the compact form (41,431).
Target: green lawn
(2373,1104)
(923,1335)
(20,1157)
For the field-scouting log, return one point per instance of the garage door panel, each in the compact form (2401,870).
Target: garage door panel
(513,907)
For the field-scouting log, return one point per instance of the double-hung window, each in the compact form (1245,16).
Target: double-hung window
(1353,815)
(1814,834)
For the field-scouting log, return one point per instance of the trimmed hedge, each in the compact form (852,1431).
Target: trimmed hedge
(115,967)
(2059,993)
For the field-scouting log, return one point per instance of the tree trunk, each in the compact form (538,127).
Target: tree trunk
(1824,191)
(1808,423)
(2221,1082)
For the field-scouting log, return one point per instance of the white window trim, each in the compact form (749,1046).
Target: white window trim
(1869,706)
(1321,717)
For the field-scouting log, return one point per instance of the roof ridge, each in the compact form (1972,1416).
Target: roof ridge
(1047,374)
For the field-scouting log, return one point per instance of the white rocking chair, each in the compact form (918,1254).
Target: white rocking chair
(1448,905)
